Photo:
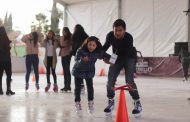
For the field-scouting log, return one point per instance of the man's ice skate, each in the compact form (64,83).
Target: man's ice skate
(90,107)
(79,108)
(137,109)
(108,110)
(185,79)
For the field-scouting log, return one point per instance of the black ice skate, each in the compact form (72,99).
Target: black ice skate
(110,107)
(137,108)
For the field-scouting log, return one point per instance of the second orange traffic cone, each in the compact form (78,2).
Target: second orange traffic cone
(122,114)
(101,72)
(33,78)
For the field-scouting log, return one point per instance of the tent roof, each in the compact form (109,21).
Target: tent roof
(74,1)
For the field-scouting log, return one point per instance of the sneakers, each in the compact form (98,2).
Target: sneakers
(91,107)
(78,107)
(37,86)
(47,87)
(26,86)
(55,88)
(137,108)
(110,106)
(9,93)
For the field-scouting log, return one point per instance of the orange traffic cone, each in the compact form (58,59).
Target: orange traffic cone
(101,72)
(62,72)
(122,114)
(41,70)
(33,78)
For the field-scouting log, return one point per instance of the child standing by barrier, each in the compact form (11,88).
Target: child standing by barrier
(84,68)
(50,60)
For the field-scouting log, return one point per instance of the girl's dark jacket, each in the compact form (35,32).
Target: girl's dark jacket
(83,69)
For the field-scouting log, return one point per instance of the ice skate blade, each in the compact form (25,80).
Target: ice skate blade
(137,116)
(79,113)
(108,113)
(90,112)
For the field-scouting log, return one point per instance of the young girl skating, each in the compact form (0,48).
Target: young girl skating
(84,68)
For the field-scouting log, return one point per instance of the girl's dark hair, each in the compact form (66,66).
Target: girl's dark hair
(119,22)
(79,34)
(35,37)
(68,36)
(53,37)
(96,40)
(4,38)
(3,35)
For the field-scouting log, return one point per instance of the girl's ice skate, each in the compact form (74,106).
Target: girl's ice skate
(90,107)
(108,110)
(37,86)
(47,87)
(27,86)
(55,88)
(79,108)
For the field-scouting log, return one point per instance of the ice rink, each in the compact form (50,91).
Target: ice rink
(163,100)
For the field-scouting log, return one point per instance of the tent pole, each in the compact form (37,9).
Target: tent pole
(65,16)
(188,26)
(65,11)
(119,8)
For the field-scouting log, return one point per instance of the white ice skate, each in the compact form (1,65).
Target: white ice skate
(79,108)
(90,107)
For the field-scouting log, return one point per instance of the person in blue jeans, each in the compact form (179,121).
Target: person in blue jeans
(125,57)
(31,41)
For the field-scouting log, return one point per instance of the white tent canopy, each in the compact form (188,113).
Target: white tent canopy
(155,24)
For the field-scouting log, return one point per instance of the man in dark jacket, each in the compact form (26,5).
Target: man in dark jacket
(124,56)
(184,59)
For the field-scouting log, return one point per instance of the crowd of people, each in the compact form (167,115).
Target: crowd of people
(86,51)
